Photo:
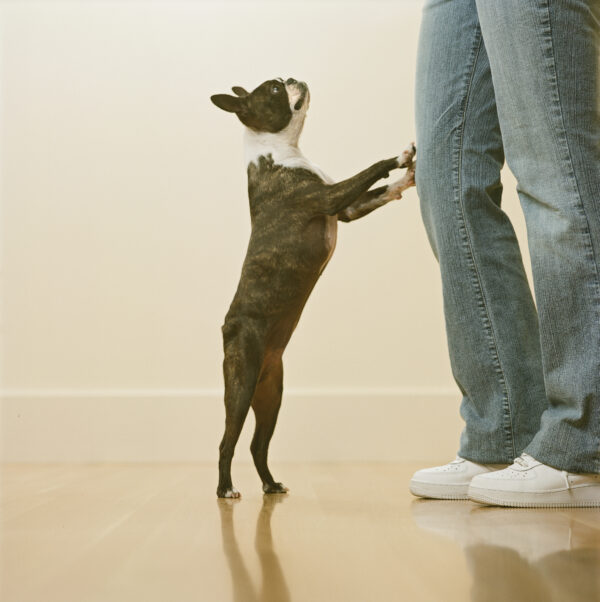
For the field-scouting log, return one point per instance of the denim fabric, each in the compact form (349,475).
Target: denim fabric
(516,78)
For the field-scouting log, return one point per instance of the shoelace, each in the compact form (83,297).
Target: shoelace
(522,461)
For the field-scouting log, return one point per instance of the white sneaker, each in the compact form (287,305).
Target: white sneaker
(449,482)
(529,483)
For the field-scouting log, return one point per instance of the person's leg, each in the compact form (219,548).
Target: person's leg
(544,57)
(491,320)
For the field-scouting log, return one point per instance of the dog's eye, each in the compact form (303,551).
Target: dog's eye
(275,89)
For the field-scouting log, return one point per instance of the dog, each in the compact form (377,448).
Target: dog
(294,209)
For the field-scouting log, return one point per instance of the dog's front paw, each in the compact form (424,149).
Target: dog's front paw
(407,156)
(275,488)
(394,191)
(410,174)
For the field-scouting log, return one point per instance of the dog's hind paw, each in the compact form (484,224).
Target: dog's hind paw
(231,492)
(275,488)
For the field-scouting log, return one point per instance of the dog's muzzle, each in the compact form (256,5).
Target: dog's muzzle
(302,88)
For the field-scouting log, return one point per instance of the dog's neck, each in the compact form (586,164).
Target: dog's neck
(282,147)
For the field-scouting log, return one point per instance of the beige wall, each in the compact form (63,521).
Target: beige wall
(125,222)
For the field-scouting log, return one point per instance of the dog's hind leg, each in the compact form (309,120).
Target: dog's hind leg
(241,367)
(266,403)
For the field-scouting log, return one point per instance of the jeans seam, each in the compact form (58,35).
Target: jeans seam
(476,278)
(562,138)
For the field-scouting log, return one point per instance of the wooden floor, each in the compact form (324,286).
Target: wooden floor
(345,533)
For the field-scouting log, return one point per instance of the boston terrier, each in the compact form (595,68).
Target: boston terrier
(294,209)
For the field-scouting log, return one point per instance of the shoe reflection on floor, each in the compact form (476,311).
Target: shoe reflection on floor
(521,555)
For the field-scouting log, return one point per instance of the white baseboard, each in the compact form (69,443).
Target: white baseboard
(408,424)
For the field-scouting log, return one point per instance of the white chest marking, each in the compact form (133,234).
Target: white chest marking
(282,148)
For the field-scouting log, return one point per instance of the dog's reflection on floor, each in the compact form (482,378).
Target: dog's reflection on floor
(273,586)
(521,555)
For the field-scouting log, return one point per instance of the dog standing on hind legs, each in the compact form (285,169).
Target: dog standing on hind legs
(294,209)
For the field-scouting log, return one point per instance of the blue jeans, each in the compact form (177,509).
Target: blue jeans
(516,78)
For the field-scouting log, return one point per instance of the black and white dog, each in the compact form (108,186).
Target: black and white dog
(294,210)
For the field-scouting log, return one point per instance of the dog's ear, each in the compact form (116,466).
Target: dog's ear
(231,104)
(239,91)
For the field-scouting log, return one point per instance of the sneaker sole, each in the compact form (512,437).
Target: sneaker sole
(439,492)
(578,497)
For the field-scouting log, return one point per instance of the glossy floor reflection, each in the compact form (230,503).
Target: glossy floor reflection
(345,533)
(518,554)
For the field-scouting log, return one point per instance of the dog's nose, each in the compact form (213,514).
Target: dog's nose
(291,80)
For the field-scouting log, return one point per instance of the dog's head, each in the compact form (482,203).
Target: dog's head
(274,106)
